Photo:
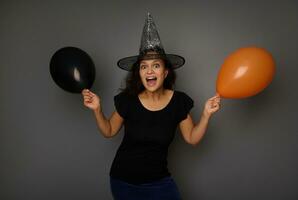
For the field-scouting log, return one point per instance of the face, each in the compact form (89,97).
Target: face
(153,73)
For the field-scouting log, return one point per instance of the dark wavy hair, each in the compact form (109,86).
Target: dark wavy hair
(134,85)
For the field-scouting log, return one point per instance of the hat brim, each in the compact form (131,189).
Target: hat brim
(127,63)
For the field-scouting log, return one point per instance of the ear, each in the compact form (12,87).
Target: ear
(166,73)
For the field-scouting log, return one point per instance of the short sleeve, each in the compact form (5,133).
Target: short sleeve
(121,104)
(185,105)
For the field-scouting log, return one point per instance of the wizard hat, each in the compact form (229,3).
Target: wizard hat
(150,41)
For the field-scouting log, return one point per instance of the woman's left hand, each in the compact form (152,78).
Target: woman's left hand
(212,105)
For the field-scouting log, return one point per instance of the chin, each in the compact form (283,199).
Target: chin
(153,89)
(150,89)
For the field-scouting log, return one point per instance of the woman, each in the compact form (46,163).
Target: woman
(150,111)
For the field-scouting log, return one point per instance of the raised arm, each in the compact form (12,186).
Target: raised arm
(108,127)
(193,133)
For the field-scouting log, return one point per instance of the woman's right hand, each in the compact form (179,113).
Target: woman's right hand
(91,100)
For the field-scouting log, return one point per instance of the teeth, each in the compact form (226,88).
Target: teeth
(151,78)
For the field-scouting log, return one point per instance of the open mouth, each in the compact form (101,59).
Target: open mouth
(151,81)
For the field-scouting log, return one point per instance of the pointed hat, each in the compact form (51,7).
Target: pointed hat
(150,41)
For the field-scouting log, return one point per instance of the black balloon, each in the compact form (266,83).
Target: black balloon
(72,69)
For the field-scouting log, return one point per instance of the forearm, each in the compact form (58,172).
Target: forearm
(199,129)
(102,123)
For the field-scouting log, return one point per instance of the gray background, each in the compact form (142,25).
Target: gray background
(49,144)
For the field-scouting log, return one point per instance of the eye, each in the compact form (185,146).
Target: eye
(156,65)
(143,66)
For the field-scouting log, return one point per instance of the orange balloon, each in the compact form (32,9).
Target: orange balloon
(245,72)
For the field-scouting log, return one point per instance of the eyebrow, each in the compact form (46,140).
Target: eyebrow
(155,61)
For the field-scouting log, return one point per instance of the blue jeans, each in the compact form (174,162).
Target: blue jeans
(163,189)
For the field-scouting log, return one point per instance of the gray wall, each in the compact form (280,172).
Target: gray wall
(49,144)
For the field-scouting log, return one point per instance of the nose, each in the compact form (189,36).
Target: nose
(150,70)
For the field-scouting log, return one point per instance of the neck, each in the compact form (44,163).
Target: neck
(156,95)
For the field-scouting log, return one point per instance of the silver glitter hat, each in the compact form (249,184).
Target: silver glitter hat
(150,41)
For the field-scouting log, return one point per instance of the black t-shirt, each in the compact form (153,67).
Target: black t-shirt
(142,155)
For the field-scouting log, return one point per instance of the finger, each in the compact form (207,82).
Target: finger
(217,99)
(84,92)
(87,99)
(212,101)
(87,91)
(214,97)
(87,102)
(215,104)
(214,109)
(91,93)
(87,94)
